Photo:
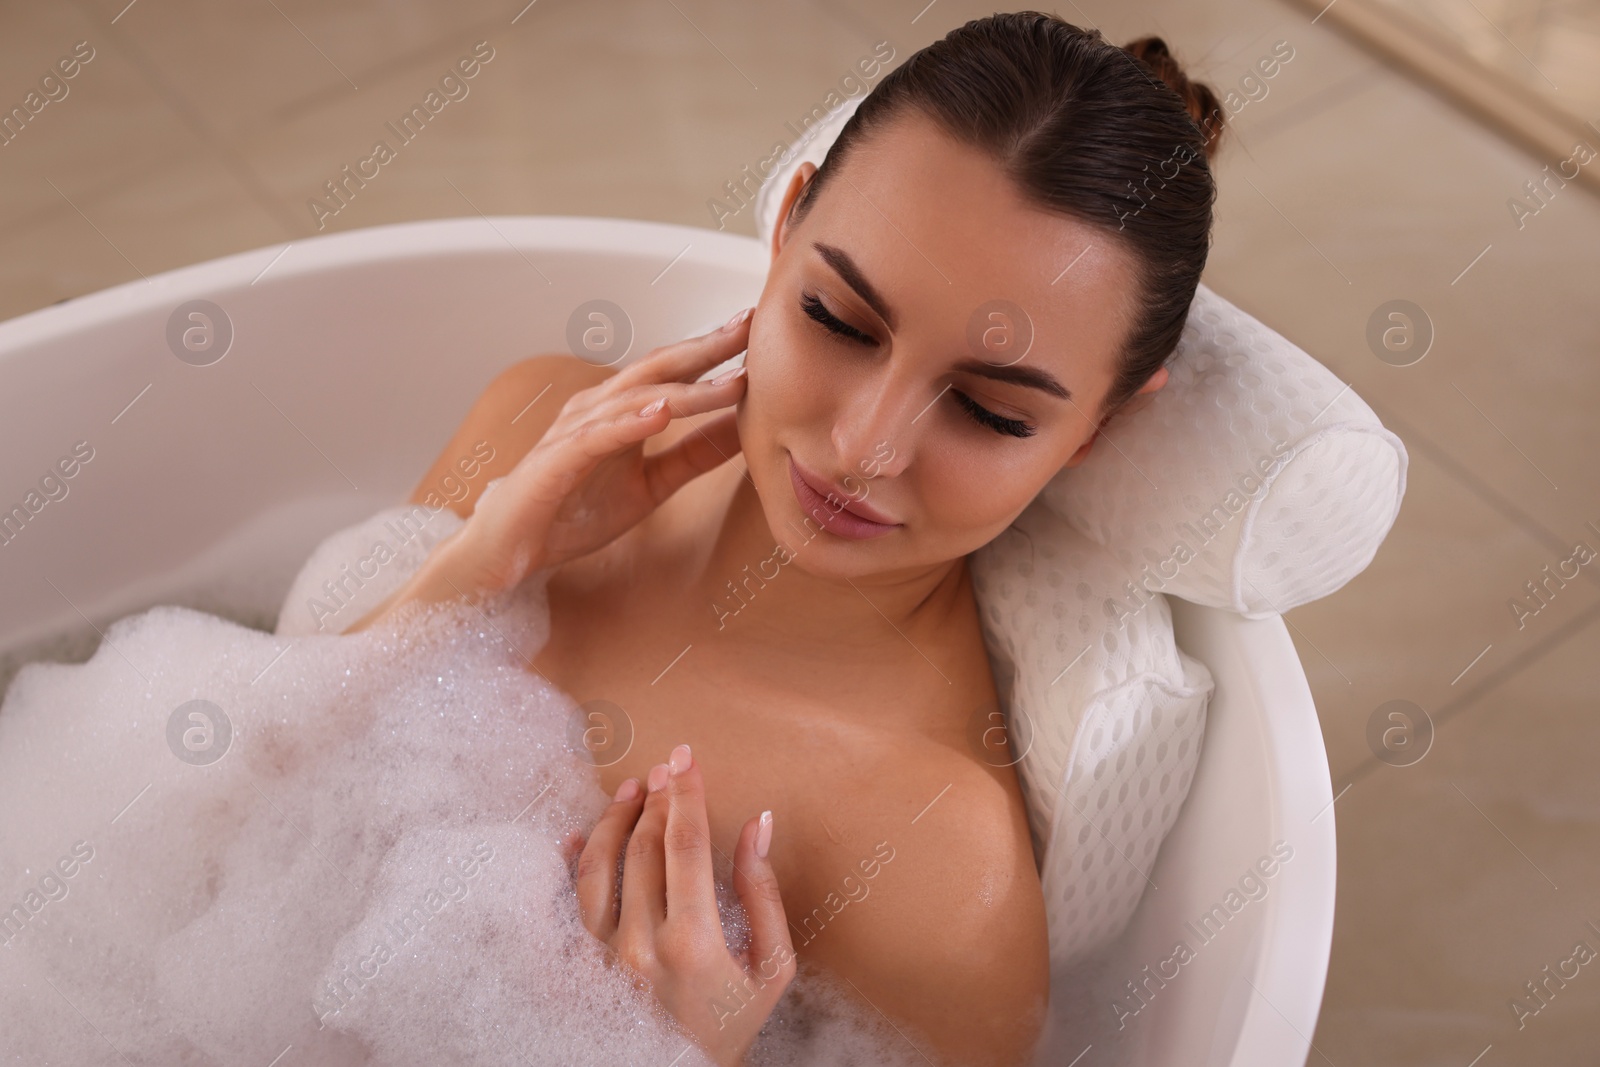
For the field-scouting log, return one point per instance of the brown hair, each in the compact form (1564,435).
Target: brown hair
(1084,128)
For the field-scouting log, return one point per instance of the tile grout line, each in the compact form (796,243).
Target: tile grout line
(1486,493)
(1464,700)
(180,106)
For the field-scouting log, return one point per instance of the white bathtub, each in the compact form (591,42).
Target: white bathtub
(354,356)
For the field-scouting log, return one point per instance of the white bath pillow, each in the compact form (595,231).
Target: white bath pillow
(1255,481)
(1104,715)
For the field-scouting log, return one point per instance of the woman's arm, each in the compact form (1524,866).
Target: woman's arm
(588,478)
(509,417)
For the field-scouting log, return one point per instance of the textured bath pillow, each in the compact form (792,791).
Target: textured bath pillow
(1104,717)
(1254,480)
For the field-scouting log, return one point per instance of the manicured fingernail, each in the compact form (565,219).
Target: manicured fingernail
(658,777)
(652,407)
(764,834)
(627,790)
(728,375)
(680,760)
(737,319)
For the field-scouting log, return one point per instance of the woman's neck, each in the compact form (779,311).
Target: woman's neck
(759,592)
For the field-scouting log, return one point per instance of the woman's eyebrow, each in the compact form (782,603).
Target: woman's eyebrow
(1017,374)
(1032,377)
(846,268)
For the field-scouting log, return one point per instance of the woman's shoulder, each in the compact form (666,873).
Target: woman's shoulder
(511,414)
(948,927)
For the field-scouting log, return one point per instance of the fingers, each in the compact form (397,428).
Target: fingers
(673,468)
(771,952)
(621,421)
(666,877)
(688,359)
(597,864)
(691,893)
(644,872)
(678,399)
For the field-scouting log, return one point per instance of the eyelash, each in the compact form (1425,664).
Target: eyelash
(815,310)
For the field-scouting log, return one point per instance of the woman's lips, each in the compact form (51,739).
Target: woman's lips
(840,516)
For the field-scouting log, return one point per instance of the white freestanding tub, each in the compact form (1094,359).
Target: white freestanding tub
(319,382)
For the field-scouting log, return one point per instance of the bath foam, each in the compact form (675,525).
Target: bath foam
(372,872)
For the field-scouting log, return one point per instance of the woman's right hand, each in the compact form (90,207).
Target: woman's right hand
(588,480)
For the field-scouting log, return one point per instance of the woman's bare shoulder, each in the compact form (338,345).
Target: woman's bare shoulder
(508,418)
(942,922)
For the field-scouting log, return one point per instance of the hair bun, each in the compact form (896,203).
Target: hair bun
(1197,97)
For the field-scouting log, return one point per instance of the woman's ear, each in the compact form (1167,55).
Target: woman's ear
(1147,391)
(1141,397)
(1083,450)
(797,182)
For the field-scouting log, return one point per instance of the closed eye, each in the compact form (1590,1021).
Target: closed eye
(815,310)
(813,307)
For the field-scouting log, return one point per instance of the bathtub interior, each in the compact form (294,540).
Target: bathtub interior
(354,357)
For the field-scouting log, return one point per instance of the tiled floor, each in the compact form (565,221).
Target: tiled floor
(198,130)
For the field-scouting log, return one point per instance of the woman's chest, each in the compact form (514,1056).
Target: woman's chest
(647,674)
(835,761)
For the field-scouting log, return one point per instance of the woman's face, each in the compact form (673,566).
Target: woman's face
(977,336)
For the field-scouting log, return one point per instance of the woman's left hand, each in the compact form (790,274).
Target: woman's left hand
(668,931)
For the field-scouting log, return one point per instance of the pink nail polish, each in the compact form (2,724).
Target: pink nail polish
(627,790)
(658,777)
(680,760)
(734,322)
(764,834)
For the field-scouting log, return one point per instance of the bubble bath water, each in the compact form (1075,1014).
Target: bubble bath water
(223,846)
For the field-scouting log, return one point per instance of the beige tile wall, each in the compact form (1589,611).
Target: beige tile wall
(202,129)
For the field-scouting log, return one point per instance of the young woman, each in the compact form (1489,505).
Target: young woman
(996,257)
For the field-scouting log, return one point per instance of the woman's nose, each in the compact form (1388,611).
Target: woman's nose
(874,433)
